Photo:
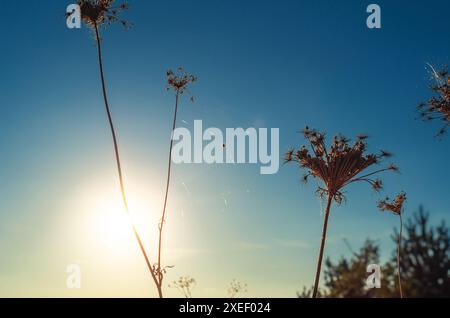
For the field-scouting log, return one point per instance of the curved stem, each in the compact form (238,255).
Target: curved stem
(161,225)
(116,151)
(372,173)
(322,244)
(398,257)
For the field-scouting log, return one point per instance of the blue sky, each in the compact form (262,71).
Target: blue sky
(283,64)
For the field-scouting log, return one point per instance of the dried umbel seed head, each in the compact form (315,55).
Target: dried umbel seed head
(184,282)
(179,80)
(437,108)
(236,287)
(98,12)
(338,165)
(395,206)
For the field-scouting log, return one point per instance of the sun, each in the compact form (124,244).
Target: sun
(112,226)
(108,228)
(104,231)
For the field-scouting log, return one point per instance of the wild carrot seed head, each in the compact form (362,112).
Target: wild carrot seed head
(338,165)
(179,81)
(438,107)
(99,12)
(395,206)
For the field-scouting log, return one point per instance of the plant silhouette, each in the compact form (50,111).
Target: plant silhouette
(95,14)
(342,164)
(236,288)
(184,285)
(437,108)
(396,207)
(178,82)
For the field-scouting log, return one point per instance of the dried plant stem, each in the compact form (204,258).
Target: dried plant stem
(116,151)
(322,244)
(161,225)
(399,244)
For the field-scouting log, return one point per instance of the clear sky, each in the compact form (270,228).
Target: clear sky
(283,64)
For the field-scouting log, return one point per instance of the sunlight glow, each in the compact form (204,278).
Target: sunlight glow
(103,230)
(107,228)
(112,226)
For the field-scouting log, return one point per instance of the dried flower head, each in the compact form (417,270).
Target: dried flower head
(438,106)
(179,81)
(99,12)
(338,166)
(395,206)
(184,285)
(236,287)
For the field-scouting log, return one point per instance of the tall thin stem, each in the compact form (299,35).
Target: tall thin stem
(322,245)
(161,225)
(398,257)
(116,151)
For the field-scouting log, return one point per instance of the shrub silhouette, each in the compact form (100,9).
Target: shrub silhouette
(425,265)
